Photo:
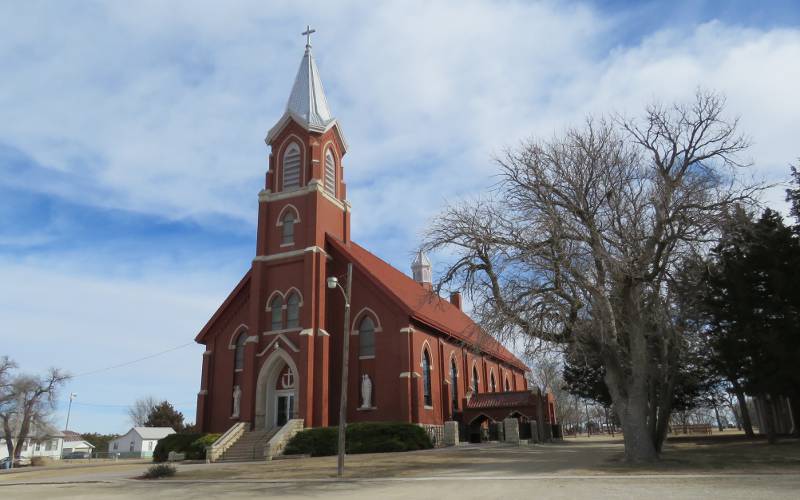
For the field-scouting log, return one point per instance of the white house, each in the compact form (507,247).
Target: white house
(48,446)
(74,442)
(139,442)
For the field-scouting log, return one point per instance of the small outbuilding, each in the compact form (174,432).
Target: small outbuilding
(139,442)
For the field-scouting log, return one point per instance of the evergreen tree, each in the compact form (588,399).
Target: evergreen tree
(164,415)
(752,304)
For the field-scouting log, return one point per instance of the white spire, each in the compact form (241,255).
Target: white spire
(307,104)
(421,269)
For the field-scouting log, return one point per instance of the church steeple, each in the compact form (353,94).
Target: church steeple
(307,104)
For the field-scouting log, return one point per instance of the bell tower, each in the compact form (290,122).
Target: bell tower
(303,200)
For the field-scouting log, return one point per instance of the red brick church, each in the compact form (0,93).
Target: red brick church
(274,346)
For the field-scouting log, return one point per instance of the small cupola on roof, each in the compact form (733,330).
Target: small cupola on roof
(421,269)
(307,104)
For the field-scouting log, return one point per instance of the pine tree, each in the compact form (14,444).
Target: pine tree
(164,415)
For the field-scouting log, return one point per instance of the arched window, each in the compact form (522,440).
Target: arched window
(366,337)
(291,167)
(293,311)
(492,383)
(426,378)
(330,173)
(277,312)
(454,384)
(507,386)
(475,379)
(287,227)
(238,357)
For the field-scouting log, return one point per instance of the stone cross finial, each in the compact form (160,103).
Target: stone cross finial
(307,34)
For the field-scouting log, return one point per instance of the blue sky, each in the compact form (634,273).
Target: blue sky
(131,142)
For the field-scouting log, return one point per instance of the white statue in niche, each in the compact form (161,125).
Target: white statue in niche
(237,399)
(366,391)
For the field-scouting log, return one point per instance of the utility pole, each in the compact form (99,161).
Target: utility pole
(333,283)
(72,396)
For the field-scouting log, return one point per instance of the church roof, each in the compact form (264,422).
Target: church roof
(424,305)
(307,104)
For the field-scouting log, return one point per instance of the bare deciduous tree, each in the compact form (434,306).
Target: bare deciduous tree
(26,403)
(140,410)
(582,240)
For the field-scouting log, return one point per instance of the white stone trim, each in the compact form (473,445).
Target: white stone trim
(322,333)
(409,374)
(372,356)
(278,346)
(252,339)
(370,408)
(359,317)
(207,352)
(289,292)
(307,331)
(282,331)
(203,392)
(236,332)
(279,222)
(407,330)
(290,254)
(282,147)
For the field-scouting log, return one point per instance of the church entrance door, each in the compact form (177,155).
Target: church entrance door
(284,410)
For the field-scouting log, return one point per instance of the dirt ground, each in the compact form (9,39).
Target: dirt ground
(715,467)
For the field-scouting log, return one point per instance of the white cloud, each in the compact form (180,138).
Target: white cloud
(53,316)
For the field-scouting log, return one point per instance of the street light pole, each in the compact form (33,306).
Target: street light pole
(333,282)
(345,363)
(72,396)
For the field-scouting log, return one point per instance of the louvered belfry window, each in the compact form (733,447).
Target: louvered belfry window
(330,173)
(291,167)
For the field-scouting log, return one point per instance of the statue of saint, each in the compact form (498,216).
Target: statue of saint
(237,398)
(366,391)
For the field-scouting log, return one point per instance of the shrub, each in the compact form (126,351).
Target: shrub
(180,443)
(197,450)
(365,437)
(160,470)
(318,442)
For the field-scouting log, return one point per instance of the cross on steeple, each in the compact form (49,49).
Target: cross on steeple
(307,34)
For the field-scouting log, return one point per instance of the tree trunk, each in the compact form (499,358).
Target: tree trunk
(769,417)
(746,422)
(9,437)
(639,447)
(719,420)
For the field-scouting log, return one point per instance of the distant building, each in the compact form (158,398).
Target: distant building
(47,445)
(74,442)
(139,442)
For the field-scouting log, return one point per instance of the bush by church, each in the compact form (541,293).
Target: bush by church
(365,437)
(192,445)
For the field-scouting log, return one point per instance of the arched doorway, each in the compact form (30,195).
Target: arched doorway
(480,429)
(276,391)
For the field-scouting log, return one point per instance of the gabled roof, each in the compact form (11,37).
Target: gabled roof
(242,283)
(422,304)
(153,432)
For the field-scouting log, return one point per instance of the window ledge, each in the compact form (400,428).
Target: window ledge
(428,407)
(237,370)
(284,245)
(369,408)
(367,357)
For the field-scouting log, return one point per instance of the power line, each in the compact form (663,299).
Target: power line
(127,363)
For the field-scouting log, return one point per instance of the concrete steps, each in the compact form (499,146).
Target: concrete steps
(249,447)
